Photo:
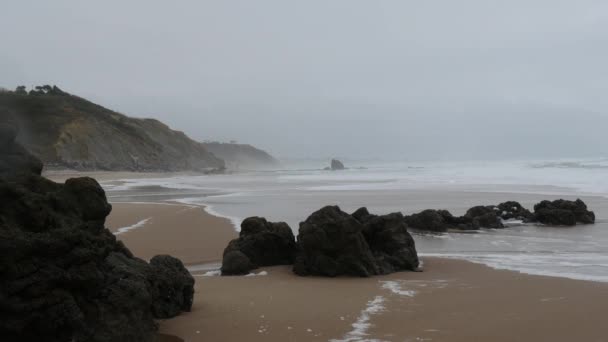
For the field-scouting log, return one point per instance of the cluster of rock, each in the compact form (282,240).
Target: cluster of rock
(63,275)
(558,213)
(330,243)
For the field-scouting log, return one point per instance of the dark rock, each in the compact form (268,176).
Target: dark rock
(513,210)
(337,165)
(63,276)
(331,243)
(563,213)
(14,159)
(483,217)
(173,287)
(432,220)
(260,243)
(391,245)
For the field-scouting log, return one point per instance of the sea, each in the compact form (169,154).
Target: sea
(293,191)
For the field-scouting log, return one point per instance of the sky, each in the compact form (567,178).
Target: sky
(388,80)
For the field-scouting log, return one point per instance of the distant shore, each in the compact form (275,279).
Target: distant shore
(451,300)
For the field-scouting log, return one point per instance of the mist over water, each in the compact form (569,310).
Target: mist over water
(293,193)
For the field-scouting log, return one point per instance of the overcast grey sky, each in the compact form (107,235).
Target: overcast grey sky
(432,79)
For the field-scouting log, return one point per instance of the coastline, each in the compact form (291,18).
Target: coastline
(451,300)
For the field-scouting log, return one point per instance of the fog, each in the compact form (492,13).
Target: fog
(402,80)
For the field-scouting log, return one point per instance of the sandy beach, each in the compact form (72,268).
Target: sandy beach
(451,300)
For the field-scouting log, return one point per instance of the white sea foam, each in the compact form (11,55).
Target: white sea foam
(213,273)
(544,264)
(360,327)
(253,274)
(395,287)
(132,227)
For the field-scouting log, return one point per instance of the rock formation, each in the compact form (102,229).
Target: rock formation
(483,217)
(563,213)
(434,221)
(63,276)
(260,243)
(333,243)
(336,165)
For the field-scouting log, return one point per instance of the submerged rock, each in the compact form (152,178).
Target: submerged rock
(332,243)
(563,213)
(63,275)
(337,165)
(260,243)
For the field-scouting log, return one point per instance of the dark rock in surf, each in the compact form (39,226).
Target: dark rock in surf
(483,217)
(391,244)
(512,210)
(260,243)
(434,220)
(63,275)
(337,165)
(333,243)
(563,213)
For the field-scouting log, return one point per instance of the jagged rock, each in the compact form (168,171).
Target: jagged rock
(483,217)
(332,243)
(513,210)
(173,287)
(336,165)
(391,245)
(260,243)
(63,276)
(433,220)
(563,213)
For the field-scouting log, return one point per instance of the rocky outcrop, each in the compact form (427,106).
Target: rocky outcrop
(260,243)
(563,213)
(67,131)
(512,210)
(483,217)
(333,243)
(434,221)
(391,244)
(336,165)
(64,276)
(241,156)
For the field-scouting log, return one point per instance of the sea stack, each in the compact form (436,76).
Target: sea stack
(336,165)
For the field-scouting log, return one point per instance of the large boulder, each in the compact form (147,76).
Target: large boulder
(563,213)
(63,276)
(172,287)
(332,243)
(336,165)
(391,245)
(260,243)
(433,220)
(483,217)
(512,210)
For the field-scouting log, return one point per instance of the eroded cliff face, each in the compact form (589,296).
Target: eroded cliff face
(70,132)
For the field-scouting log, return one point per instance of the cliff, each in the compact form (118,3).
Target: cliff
(241,155)
(67,131)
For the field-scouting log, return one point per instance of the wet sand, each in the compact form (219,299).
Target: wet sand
(452,300)
(186,232)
